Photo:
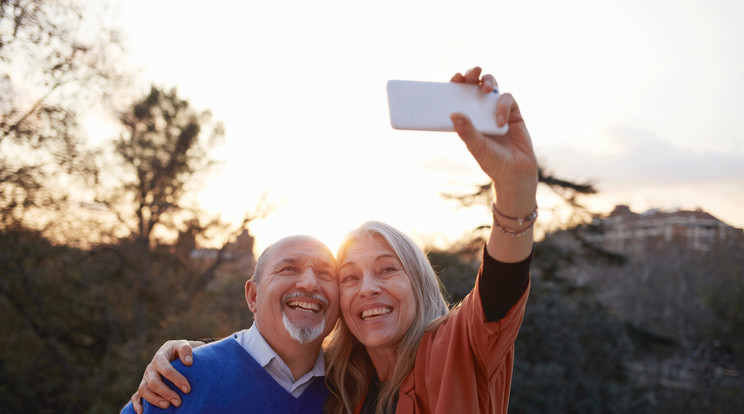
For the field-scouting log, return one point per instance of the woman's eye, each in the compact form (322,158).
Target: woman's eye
(388,269)
(349,279)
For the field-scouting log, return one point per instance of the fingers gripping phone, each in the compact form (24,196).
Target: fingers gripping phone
(427,106)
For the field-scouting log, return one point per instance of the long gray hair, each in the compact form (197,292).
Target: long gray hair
(349,369)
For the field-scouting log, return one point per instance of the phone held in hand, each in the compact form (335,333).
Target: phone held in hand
(427,106)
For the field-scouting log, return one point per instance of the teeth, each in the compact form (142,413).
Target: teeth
(375,313)
(303,306)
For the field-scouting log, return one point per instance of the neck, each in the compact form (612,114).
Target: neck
(384,361)
(300,358)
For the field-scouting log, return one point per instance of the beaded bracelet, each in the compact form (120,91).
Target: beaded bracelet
(530,219)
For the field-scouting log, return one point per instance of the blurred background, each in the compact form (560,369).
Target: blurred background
(150,150)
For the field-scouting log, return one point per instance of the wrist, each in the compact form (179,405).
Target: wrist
(515,205)
(514,226)
(516,199)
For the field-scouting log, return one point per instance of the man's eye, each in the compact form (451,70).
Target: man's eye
(288,269)
(325,274)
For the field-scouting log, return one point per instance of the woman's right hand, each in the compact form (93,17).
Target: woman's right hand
(152,388)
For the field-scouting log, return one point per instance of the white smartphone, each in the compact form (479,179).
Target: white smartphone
(427,106)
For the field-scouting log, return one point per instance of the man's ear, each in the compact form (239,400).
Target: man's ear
(251,291)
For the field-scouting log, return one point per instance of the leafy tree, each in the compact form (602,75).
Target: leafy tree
(88,319)
(71,343)
(692,300)
(164,146)
(572,354)
(54,329)
(81,321)
(55,60)
(161,154)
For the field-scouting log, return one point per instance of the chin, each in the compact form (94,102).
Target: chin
(304,334)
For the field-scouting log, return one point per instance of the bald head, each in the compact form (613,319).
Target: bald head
(270,252)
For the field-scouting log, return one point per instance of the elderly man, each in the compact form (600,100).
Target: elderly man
(277,364)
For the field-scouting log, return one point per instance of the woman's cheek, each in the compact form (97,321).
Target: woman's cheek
(345,297)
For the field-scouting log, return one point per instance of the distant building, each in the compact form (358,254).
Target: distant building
(629,232)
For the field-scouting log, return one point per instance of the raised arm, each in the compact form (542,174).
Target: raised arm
(152,388)
(510,162)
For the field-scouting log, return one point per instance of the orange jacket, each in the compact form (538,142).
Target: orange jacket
(465,364)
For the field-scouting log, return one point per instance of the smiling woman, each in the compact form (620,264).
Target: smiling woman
(397,347)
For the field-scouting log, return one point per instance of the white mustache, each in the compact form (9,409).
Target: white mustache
(305,295)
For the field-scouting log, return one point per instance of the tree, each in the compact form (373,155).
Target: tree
(568,191)
(572,355)
(163,149)
(82,317)
(690,299)
(71,343)
(54,327)
(161,153)
(55,60)
(88,319)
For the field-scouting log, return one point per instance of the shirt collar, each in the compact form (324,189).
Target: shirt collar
(253,342)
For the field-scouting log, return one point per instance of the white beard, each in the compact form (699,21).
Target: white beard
(303,334)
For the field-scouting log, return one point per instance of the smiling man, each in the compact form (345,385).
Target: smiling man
(277,364)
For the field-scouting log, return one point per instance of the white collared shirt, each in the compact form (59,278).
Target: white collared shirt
(255,344)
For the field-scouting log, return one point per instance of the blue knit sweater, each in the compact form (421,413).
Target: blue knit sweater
(226,379)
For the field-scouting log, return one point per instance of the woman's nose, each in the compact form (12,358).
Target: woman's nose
(369,287)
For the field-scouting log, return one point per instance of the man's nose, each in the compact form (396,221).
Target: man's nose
(308,280)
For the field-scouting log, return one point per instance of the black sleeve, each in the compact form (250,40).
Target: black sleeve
(502,284)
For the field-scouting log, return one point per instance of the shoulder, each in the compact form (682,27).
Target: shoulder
(217,370)
(216,349)
(217,357)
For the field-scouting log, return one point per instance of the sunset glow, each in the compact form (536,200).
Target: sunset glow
(643,99)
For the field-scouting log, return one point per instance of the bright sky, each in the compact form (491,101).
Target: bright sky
(644,98)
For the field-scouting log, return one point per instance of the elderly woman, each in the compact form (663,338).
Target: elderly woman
(398,348)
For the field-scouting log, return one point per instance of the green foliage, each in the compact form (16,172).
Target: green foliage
(54,327)
(82,324)
(571,356)
(72,342)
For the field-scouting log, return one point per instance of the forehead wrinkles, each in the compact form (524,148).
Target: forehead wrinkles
(314,261)
(365,251)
